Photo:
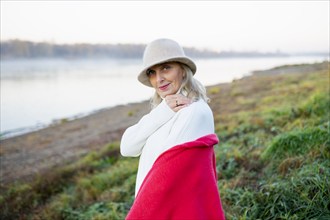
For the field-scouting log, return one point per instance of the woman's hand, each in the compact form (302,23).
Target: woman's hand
(177,101)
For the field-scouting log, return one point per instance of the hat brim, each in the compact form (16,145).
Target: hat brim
(143,78)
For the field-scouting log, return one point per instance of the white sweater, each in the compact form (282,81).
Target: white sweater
(162,129)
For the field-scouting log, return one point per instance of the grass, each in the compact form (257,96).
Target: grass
(272,159)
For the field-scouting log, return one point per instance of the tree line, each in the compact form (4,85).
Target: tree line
(12,49)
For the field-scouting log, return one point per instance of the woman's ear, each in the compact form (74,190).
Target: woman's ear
(183,71)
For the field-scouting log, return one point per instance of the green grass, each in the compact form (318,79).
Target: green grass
(273,159)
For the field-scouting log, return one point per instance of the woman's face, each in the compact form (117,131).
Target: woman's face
(166,78)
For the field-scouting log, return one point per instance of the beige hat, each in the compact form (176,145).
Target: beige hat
(161,51)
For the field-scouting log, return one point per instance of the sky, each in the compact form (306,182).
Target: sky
(264,26)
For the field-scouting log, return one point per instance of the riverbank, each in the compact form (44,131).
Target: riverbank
(28,155)
(24,156)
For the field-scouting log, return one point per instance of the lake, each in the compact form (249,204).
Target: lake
(35,93)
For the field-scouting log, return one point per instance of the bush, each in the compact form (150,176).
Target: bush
(297,143)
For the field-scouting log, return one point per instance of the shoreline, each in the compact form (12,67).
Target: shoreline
(29,155)
(56,121)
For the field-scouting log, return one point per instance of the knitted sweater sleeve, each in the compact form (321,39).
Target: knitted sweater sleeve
(135,137)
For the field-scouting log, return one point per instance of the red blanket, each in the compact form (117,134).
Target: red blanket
(182,184)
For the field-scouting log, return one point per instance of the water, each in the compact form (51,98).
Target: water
(34,93)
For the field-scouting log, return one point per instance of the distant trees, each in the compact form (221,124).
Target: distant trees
(13,49)
(27,49)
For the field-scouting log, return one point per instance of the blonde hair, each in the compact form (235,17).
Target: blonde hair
(190,87)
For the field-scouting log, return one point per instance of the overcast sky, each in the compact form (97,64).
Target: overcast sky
(288,26)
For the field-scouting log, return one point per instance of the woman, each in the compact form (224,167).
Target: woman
(174,140)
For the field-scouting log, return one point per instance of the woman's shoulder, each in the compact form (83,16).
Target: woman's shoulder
(196,114)
(200,104)
(197,107)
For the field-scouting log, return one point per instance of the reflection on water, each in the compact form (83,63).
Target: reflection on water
(35,92)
